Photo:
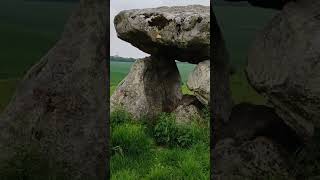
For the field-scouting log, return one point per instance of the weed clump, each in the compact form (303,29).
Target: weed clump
(168,132)
(120,116)
(130,139)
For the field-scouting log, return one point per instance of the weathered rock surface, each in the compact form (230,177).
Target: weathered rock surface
(222,100)
(284,65)
(152,86)
(189,109)
(60,105)
(256,159)
(180,32)
(199,82)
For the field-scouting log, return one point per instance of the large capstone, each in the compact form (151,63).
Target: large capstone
(58,114)
(199,82)
(284,65)
(152,86)
(179,33)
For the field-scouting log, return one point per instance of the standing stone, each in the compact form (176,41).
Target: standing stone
(179,32)
(199,82)
(284,65)
(189,110)
(60,105)
(152,86)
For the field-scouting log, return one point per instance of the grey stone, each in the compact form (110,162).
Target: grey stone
(199,82)
(284,65)
(189,110)
(179,32)
(152,86)
(256,159)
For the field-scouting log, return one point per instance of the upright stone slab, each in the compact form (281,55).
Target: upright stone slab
(152,86)
(60,105)
(199,82)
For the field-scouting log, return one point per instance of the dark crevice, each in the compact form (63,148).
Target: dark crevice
(248,121)
(199,19)
(159,21)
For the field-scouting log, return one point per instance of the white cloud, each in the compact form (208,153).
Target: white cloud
(122,48)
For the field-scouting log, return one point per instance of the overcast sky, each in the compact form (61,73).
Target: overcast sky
(124,49)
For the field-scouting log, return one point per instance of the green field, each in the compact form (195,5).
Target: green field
(119,70)
(239,26)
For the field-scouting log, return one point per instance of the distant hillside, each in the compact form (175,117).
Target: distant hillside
(121,59)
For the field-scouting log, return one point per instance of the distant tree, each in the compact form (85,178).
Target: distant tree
(121,59)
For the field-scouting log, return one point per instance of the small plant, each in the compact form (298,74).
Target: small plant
(164,130)
(131,139)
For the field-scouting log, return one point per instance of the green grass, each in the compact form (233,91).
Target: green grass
(139,152)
